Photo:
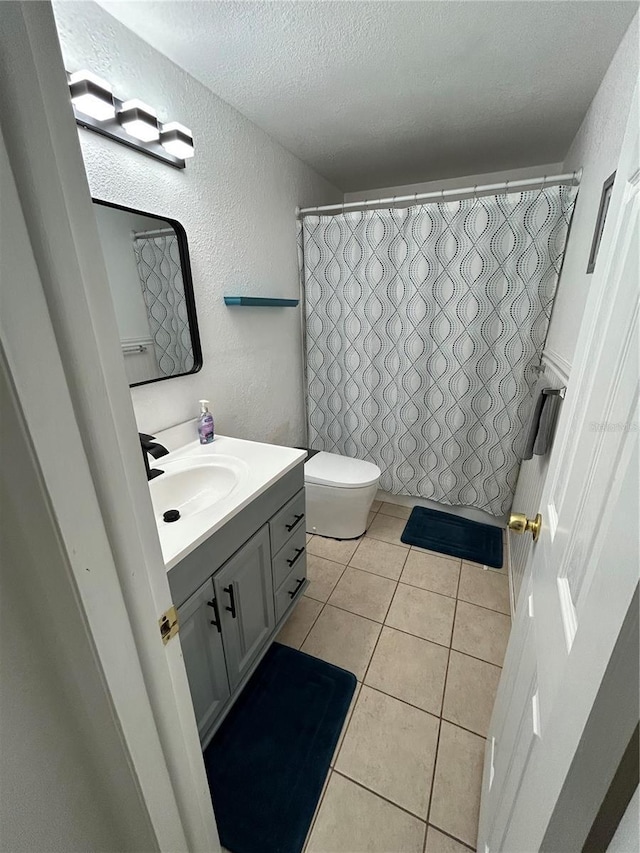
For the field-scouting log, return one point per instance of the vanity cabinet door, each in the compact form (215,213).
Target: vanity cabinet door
(204,658)
(244,591)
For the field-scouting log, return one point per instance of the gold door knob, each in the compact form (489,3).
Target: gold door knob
(519,523)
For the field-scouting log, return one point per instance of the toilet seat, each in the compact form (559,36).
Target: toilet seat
(331,469)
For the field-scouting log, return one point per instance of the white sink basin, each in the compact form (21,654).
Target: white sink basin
(209,484)
(194,484)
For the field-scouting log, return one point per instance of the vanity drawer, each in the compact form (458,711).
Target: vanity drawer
(286,522)
(289,557)
(292,588)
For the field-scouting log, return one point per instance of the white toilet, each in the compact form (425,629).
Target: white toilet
(339,493)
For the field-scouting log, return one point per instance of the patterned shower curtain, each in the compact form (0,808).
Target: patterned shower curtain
(424,327)
(160,271)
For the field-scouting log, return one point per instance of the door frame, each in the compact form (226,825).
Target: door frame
(95,461)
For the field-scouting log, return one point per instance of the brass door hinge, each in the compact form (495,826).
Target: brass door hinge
(168,624)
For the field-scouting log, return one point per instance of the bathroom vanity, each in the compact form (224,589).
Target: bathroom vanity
(237,565)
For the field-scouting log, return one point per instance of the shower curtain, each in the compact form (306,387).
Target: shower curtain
(424,327)
(160,271)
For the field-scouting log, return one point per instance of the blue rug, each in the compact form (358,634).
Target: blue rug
(267,763)
(455,536)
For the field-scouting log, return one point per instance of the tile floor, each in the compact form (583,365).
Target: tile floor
(425,635)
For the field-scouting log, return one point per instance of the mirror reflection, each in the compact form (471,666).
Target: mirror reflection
(148,268)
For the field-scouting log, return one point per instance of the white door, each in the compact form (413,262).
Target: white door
(584,567)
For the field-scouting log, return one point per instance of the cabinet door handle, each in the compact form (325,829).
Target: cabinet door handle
(296,521)
(232,601)
(216,621)
(299,552)
(300,581)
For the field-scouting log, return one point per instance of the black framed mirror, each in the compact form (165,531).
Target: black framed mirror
(147,259)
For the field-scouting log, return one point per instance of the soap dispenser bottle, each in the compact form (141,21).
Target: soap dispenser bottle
(205,423)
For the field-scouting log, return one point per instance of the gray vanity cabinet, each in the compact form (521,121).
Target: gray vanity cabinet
(244,593)
(248,577)
(204,656)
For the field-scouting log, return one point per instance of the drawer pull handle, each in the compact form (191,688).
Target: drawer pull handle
(299,552)
(232,601)
(300,581)
(297,520)
(214,603)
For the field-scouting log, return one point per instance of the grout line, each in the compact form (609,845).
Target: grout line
(327,559)
(317,811)
(480,660)
(424,589)
(393,627)
(448,834)
(464,728)
(366,672)
(343,735)
(312,624)
(404,702)
(381,796)
(484,607)
(353,613)
(444,691)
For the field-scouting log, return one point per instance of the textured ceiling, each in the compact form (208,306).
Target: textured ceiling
(380,94)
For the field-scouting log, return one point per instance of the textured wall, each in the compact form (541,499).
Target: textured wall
(596,148)
(236,200)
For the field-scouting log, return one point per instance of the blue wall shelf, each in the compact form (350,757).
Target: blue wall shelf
(261,301)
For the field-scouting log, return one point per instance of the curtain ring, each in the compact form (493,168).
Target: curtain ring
(506,187)
(442,195)
(475,194)
(415,198)
(544,181)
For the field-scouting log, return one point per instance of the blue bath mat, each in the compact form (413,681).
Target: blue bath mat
(267,763)
(455,536)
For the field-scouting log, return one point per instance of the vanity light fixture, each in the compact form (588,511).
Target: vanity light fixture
(132,123)
(177,140)
(92,95)
(139,120)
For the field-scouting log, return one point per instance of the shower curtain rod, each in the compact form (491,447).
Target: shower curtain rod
(571,178)
(155,232)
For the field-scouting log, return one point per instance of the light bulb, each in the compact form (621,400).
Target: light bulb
(177,140)
(91,95)
(139,120)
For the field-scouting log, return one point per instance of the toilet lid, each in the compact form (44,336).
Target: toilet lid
(331,469)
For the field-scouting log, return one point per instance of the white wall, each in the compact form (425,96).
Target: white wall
(236,199)
(596,148)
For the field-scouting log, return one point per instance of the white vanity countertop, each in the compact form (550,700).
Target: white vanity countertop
(264,464)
